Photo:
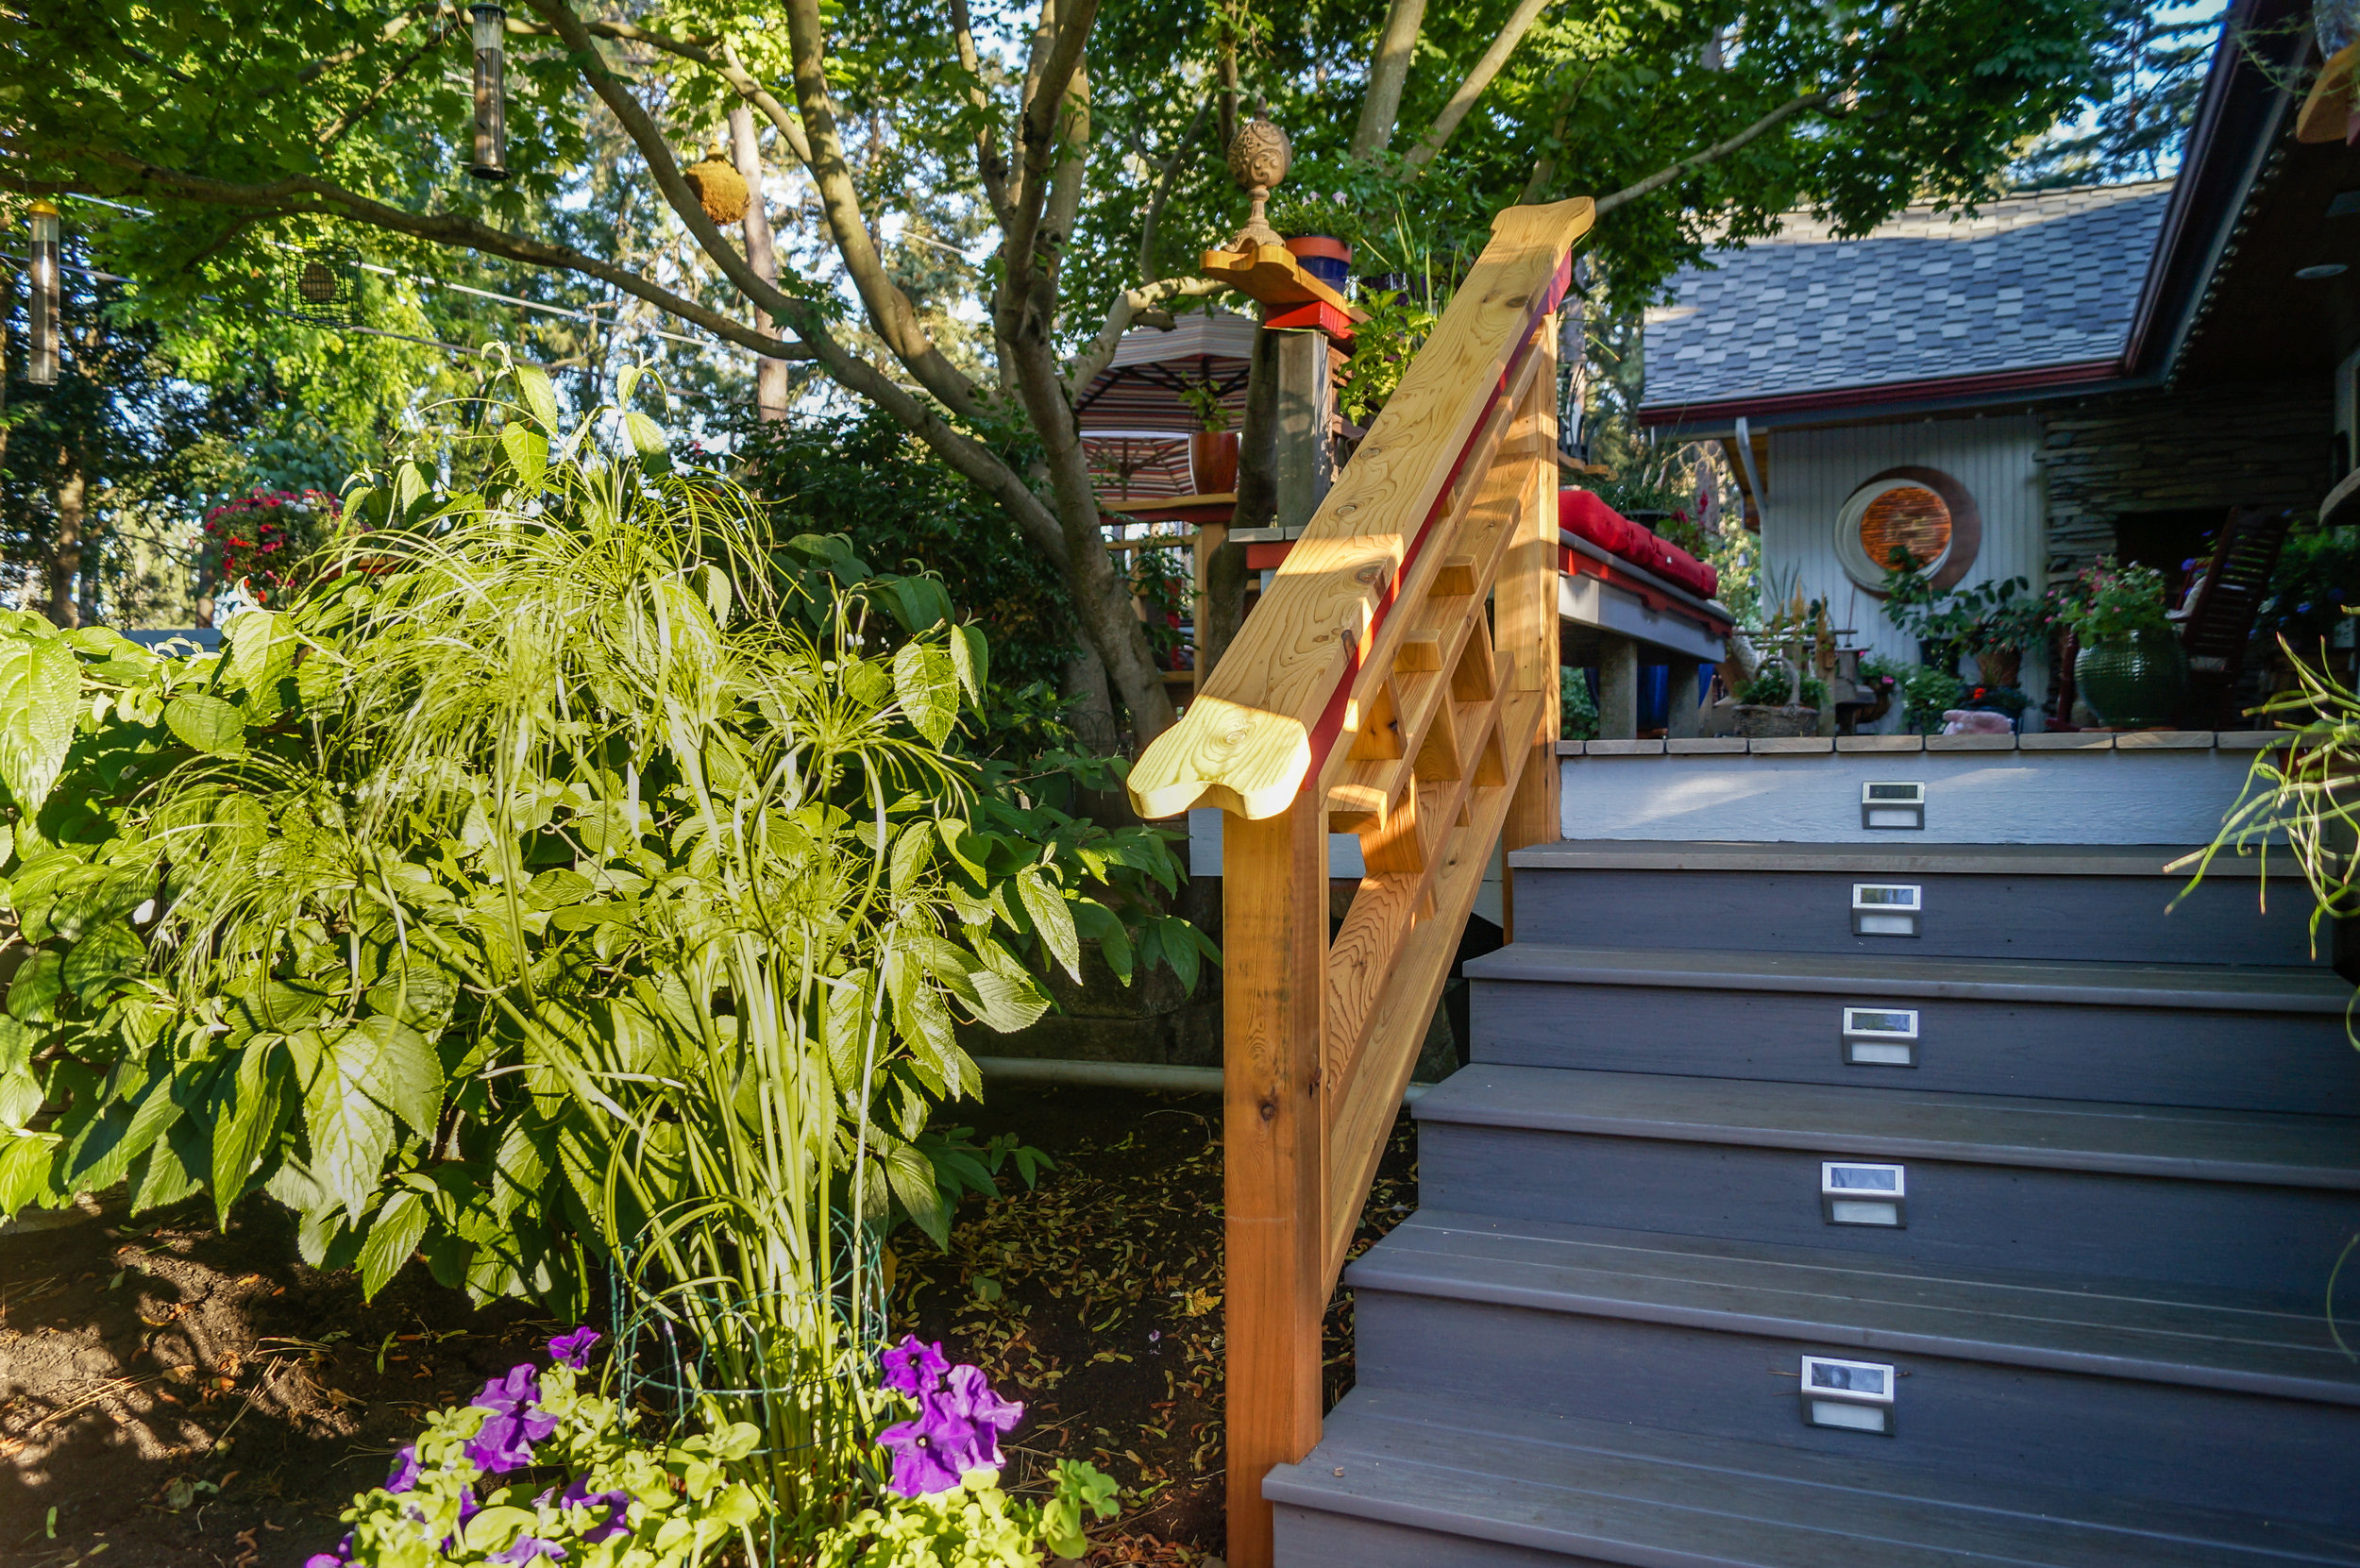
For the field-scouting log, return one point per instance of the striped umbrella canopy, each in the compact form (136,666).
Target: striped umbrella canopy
(1134,421)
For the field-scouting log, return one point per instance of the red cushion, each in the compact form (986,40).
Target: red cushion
(1581,513)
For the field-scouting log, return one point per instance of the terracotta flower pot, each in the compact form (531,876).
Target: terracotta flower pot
(1327,260)
(2136,681)
(1213,461)
(2000,666)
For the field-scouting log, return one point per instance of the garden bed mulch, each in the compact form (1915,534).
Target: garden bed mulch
(176,1396)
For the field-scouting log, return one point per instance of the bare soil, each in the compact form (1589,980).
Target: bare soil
(172,1395)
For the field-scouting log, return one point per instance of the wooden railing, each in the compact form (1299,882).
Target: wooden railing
(1370,693)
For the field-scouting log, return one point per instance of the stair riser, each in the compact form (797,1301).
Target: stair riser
(2279,1459)
(1308,1538)
(2144,1055)
(2051,918)
(2274,1244)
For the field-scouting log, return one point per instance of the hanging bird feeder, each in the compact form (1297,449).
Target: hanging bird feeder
(41,360)
(322,286)
(490,92)
(721,191)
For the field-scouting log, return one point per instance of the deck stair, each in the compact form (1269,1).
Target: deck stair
(2066,1178)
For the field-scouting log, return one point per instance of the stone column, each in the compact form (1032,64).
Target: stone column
(1618,688)
(1680,717)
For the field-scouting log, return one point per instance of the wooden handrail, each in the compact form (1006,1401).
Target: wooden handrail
(1369,692)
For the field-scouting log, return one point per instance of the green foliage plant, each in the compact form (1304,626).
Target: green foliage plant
(2301,799)
(583,868)
(1577,711)
(1774,686)
(1983,617)
(2111,602)
(2316,585)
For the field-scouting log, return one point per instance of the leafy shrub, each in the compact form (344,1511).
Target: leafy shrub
(2316,586)
(1578,709)
(271,541)
(2110,601)
(1773,686)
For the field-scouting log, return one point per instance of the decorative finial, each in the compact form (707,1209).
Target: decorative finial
(1259,159)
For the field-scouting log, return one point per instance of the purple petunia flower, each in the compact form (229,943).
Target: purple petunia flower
(617,1503)
(957,1431)
(529,1548)
(914,1369)
(573,1350)
(505,1440)
(323,1560)
(922,1463)
(405,1474)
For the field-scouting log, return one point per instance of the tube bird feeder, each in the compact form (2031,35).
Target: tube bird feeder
(41,360)
(490,26)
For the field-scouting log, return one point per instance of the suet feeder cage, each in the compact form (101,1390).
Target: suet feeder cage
(40,357)
(721,191)
(490,26)
(322,286)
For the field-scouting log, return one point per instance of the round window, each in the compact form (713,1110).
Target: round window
(1926,513)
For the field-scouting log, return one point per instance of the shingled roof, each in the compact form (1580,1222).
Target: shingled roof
(2029,283)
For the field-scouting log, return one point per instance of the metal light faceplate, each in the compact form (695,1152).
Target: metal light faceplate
(1880,1037)
(1887,908)
(1857,1192)
(1852,1396)
(1893,806)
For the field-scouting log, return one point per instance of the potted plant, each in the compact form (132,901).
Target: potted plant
(1213,449)
(2130,668)
(1779,700)
(1319,230)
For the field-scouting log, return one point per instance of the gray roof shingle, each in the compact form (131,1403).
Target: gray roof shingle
(2043,280)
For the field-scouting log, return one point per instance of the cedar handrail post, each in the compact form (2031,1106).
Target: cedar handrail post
(1275,942)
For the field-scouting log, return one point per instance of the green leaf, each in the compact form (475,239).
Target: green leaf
(405,1076)
(101,957)
(24,1170)
(1095,922)
(647,437)
(40,689)
(247,1109)
(1047,907)
(206,722)
(528,454)
(970,655)
(540,397)
(33,994)
(350,1130)
(911,1175)
(917,602)
(262,648)
(399,1227)
(927,688)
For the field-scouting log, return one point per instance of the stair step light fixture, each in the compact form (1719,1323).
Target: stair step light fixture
(40,356)
(490,25)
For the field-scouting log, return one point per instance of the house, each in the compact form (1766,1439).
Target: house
(2059,375)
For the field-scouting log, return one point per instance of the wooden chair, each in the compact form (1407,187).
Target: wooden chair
(2218,619)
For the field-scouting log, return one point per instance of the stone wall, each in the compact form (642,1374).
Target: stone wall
(2263,444)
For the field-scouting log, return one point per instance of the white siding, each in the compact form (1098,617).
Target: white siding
(1812,473)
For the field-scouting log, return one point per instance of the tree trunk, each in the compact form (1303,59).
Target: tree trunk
(762,255)
(1387,73)
(65,550)
(1084,682)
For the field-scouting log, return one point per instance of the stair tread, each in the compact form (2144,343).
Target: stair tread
(1680,854)
(2218,987)
(1618,1492)
(2104,1329)
(2177,1141)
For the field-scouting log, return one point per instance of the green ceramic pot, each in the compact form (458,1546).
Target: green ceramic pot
(2136,681)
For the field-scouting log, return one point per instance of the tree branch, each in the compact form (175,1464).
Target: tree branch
(1713,153)
(989,162)
(1092,361)
(1058,55)
(1389,71)
(457,233)
(1161,192)
(889,310)
(1446,124)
